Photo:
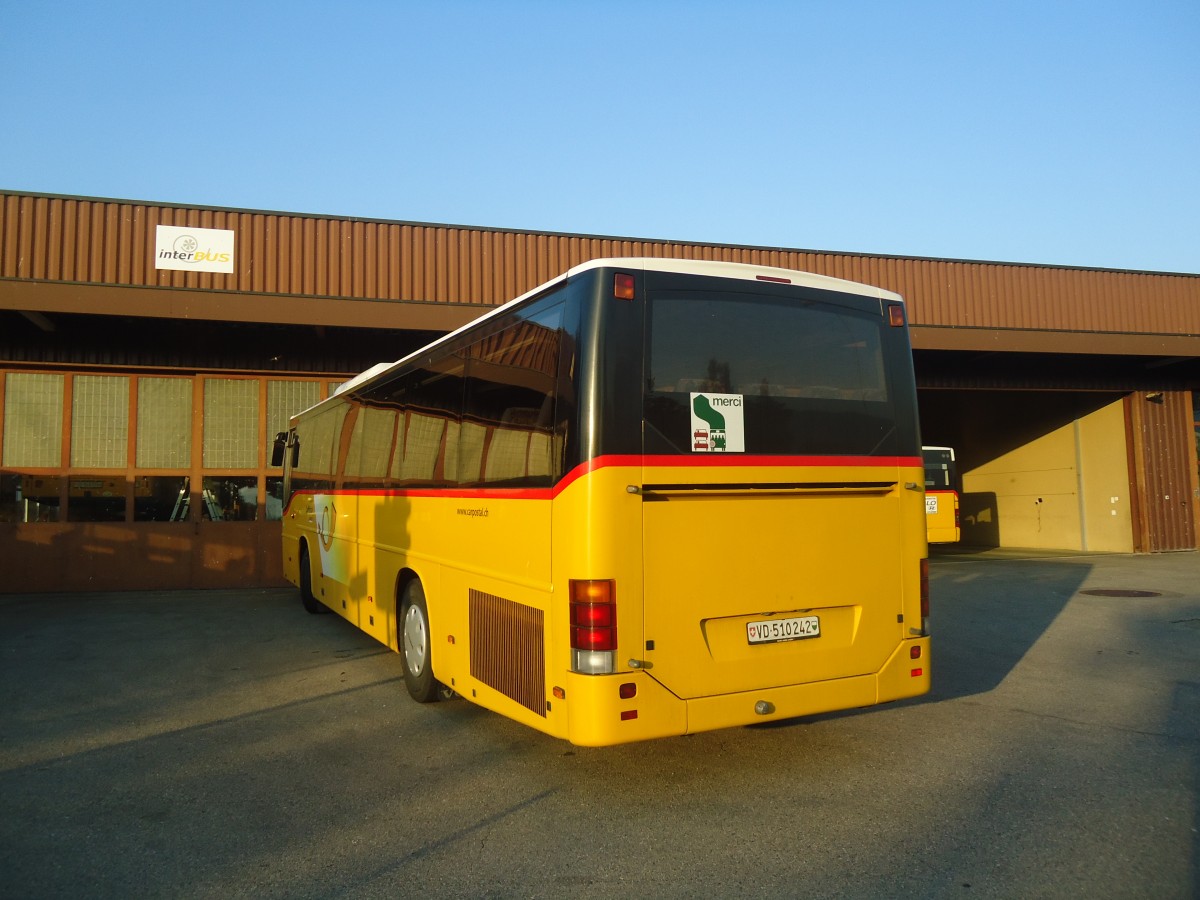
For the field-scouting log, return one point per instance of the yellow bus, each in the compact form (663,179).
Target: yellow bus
(650,497)
(941,496)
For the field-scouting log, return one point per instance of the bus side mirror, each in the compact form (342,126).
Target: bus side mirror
(278,448)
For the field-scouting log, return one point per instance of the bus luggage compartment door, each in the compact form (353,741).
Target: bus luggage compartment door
(751,590)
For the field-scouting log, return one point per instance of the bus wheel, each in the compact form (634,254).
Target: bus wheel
(311,603)
(414,645)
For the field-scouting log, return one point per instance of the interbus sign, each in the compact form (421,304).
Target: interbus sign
(186,249)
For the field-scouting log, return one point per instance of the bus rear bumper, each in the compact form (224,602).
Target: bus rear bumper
(906,674)
(655,712)
(599,717)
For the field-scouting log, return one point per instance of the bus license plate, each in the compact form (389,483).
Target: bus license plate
(773,631)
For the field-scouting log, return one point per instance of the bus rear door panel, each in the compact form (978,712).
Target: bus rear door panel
(749,589)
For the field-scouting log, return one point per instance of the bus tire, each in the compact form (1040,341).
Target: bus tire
(415,645)
(311,603)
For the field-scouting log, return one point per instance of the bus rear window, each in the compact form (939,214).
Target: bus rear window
(796,377)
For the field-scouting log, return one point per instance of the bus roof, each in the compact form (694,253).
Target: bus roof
(710,268)
(744,271)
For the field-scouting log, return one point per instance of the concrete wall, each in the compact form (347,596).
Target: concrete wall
(1104,481)
(1064,489)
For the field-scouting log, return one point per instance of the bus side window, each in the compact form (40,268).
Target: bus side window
(371,443)
(512,383)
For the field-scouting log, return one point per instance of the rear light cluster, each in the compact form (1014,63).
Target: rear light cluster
(593,626)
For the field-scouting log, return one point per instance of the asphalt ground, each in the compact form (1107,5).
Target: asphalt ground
(226,744)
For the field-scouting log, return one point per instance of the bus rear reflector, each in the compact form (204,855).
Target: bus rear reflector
(925,596)
(593,618)
(623,286)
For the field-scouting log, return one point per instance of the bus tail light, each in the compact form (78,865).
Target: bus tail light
(925,596)
(623,286)
(593,626)
(895,313)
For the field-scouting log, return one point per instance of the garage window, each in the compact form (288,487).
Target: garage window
(100,422)
(164,429)
(33,420)
(230,423)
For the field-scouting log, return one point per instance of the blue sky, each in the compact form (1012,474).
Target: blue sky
(1046,132)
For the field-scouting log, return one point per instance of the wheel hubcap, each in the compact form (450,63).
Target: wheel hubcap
(414,640)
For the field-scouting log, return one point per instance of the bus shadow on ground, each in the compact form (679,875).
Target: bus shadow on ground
(985,616)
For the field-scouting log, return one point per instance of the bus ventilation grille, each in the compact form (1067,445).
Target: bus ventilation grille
(507,641)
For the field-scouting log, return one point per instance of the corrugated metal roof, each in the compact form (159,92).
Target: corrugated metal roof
(111,242)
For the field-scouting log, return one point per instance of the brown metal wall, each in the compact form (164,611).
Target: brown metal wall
(111,242)
(1163,469)
(301,269)
(140,556)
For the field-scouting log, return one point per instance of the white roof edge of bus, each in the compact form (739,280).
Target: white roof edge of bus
(380,368)
(363,376)
(745,271)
